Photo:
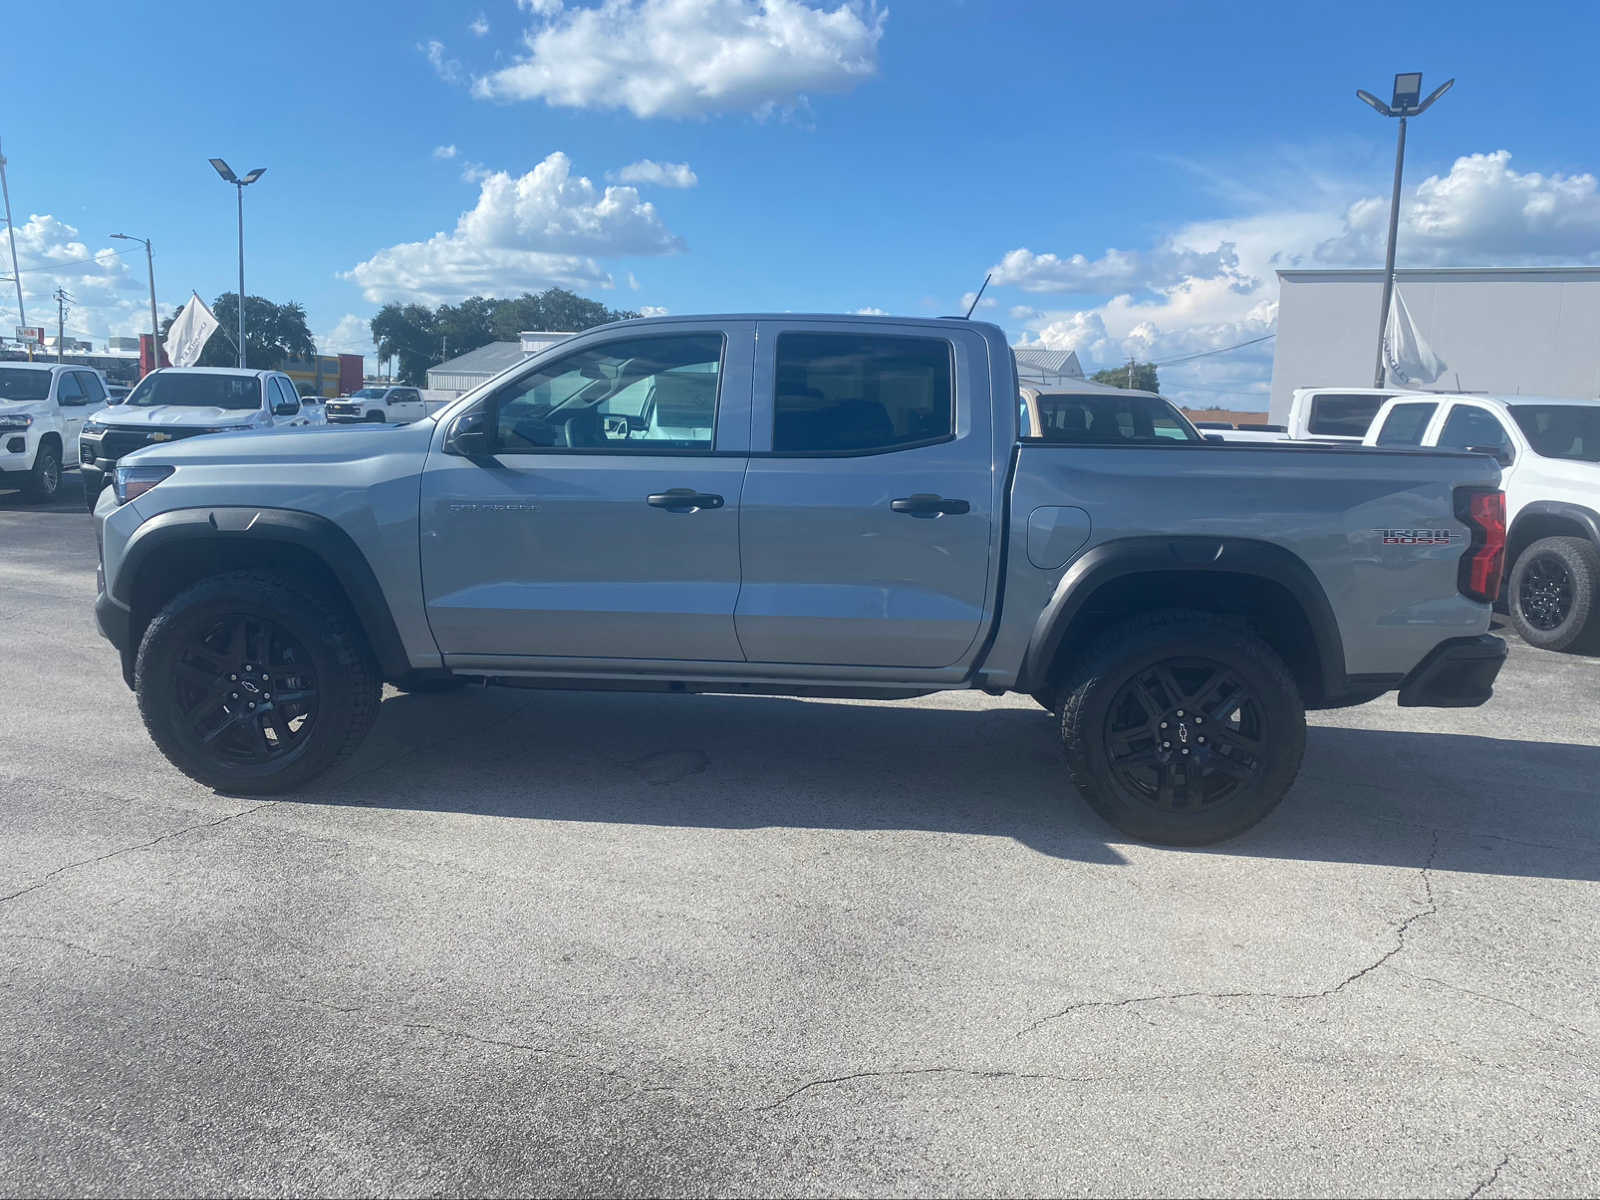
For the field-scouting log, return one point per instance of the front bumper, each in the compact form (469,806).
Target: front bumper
(1457,673)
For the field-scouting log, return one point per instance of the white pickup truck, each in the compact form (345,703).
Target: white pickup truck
(1549,455)
(42,410)
(380,405)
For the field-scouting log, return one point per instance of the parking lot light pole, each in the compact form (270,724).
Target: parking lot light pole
(1405,104)
(228,176)
(155,321)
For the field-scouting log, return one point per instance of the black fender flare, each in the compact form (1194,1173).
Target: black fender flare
(1586,518)
(1140,555)
(332,547)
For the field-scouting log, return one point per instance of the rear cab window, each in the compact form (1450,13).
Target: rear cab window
(1100,420)
(853,393)
(1335,414)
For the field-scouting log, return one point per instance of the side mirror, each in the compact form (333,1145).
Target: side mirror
(1214,437)
(471,436)
(1499,453)
(286,408)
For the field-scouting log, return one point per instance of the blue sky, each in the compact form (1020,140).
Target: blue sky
(842,156)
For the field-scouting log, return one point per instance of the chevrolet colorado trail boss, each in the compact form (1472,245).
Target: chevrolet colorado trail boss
(42,408)
(799,505)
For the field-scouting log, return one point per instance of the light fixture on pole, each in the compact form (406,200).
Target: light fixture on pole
(1405,103)
(229,177)
(155,321)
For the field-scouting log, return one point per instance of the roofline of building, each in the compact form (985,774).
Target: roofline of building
(1361,274)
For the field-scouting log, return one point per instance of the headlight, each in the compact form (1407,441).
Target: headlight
(131,482)
(93,427)
(228,429)
(15,421)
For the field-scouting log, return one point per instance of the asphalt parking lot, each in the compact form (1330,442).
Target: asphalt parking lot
(590,943)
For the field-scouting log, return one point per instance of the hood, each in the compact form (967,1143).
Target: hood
(28,407)
(297,444)
(124,417)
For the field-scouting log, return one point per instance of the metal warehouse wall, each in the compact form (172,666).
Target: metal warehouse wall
(1534,331)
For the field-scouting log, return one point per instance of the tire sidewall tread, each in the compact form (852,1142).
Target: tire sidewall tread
(1582,560)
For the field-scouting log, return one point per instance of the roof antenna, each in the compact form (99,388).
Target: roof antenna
(978,297)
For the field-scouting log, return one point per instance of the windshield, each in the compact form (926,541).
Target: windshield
(18,383)
(369,394)
(1568,431)
(1109,420)
(196,391)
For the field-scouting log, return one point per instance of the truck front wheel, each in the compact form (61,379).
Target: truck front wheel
(1182,728)
(44,480)
(254,683)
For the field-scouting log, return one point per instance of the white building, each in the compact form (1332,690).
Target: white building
(1038,367)
(1534,330)
(465,372)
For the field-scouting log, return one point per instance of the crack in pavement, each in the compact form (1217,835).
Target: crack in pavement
(472,1037)
(1500,1000)
(971,1071)
(165,837)
(1492,1179)
(1429,908)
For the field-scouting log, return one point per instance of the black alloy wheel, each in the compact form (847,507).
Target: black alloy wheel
(1185,734)
(1547,591)
(247,691)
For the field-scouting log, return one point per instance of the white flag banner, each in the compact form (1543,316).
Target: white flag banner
(189,332)
(1406,352)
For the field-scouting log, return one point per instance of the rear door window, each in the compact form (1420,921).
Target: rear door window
(1336,415)
(847,393)
(1471,426)
(1405,424)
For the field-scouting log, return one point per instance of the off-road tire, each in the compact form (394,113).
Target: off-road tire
(1132,650)
(1580,561)
(348,683)
(377,418)
(44,480)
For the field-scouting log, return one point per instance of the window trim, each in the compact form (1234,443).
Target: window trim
(869,452)
(492,402)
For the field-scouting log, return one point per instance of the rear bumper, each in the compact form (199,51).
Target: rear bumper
(1457,673)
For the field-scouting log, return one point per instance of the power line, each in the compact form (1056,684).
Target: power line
(44,264)
(1221,350)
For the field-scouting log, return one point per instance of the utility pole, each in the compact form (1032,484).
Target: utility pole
(61,299)
(1130,372)
(11,232)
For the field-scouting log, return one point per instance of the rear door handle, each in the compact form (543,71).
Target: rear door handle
(926,504)
(683,500)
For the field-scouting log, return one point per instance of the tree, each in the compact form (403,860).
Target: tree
(1144,377)
(420,338)
(273,333)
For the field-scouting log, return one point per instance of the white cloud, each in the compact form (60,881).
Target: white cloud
(444,151)
(1482,211)
(633,282)
(446,68)
(652,310)
(108,296)
(542,8)
(870,312)
(967,299)
(546,227)
(479,25)
(474,172)
(646,170)
(683,58)
(1212,284)
(352,335)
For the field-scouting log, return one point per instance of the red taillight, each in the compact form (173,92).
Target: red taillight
(1479,574)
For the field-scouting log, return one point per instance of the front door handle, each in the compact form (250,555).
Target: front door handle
(683,500)
(925,504)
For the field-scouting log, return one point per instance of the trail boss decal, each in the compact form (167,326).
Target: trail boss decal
(1418,537)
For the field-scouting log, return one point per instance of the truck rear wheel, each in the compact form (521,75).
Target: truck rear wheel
(253,683)
(1552,594)
(1182,729)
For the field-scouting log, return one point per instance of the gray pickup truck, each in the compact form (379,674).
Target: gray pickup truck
(801,505)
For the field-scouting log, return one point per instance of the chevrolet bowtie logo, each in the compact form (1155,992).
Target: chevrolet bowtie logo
(160,437)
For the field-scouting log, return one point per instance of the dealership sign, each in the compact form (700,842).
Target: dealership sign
(31,333)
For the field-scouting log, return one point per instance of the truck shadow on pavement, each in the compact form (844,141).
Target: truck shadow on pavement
(1363,796)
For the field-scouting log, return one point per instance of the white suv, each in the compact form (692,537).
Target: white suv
(42,410)
(1549,453)
(379,404)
